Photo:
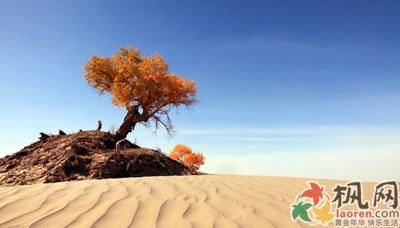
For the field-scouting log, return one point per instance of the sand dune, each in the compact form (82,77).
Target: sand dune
(178,201)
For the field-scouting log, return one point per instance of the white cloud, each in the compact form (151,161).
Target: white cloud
(369,164)
(332,133)
(325,151)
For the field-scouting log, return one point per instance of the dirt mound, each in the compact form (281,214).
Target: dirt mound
(83,155)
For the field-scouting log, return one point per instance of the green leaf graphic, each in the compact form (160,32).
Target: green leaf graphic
(304,216)
(301,210)
(307,205)
(295,214)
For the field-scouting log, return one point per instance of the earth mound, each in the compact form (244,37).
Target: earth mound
(83,155)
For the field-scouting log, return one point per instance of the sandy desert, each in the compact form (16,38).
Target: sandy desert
(176,201)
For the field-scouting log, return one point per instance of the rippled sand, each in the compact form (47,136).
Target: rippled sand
(178,201)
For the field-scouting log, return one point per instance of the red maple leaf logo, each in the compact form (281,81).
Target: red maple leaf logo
(315,192)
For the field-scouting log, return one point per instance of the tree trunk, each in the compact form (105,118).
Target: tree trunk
(130,121)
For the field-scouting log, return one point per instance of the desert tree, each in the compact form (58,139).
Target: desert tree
(141,84)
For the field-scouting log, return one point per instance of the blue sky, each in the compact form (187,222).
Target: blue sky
(288,88)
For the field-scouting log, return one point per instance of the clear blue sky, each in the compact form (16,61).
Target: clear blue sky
(298,88)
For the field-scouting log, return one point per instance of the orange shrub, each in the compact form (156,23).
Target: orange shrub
(185,155)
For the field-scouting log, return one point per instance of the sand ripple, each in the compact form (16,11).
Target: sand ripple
(182,201)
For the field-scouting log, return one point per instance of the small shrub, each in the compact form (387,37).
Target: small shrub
(186,156)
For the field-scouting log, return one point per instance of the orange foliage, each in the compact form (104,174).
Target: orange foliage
(141,83)
(185,155)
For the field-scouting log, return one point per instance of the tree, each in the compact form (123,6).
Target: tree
(141,84)
(185,155)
